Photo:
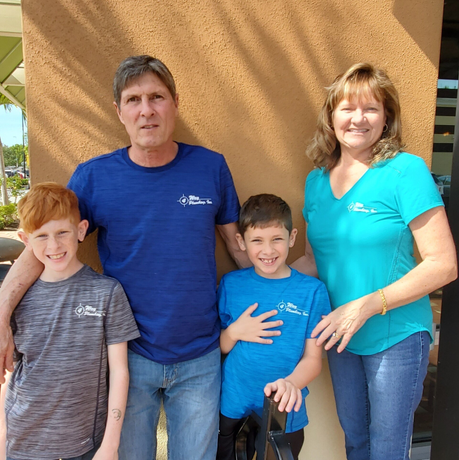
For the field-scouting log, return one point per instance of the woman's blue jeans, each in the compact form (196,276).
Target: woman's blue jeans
(190,392)
(376,396)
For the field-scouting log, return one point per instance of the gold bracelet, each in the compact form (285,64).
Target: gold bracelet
(384,303)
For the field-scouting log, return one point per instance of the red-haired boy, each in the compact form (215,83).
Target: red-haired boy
(70,332)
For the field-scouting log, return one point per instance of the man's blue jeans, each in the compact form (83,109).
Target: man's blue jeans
(376,396)
(191,395)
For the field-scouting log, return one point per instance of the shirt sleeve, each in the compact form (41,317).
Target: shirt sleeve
(225,317)
(229,202)
(308,191)
(416,192)
(78,183)
(120,325)
(320,306)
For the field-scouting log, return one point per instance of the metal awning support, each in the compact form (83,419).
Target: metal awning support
(12,78)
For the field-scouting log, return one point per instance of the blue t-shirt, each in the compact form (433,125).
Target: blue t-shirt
(301,301)
(157,237)
(362,242)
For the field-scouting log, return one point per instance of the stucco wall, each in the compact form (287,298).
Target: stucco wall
(250,75)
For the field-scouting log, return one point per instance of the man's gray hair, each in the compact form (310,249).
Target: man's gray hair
(135,66)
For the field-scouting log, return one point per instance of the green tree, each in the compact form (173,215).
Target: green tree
(7,105)
(14,155)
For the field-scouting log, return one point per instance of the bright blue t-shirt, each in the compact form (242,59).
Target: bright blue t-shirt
(301,301)
(157,237)
(362,242)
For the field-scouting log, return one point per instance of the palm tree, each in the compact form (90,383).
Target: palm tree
(6,103)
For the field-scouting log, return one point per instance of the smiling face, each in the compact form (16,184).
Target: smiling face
(148,111)
(358,125)
(55,245)
(267,248)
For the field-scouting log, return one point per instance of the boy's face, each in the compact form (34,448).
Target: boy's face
(55,245)
(267,249)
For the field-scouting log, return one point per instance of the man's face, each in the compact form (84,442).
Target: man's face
(148,112)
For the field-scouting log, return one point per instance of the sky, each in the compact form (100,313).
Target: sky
(451,84)
(11,126)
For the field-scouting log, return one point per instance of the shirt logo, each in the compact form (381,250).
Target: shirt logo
(87,310)
(359,207)
(192,200)
(289,307)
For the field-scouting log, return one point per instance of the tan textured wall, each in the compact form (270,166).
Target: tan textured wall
(250,75)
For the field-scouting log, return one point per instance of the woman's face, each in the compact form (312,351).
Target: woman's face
(358,124)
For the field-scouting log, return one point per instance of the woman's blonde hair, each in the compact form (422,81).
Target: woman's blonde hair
(360,81)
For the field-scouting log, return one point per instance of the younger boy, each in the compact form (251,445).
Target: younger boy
(70,332)
(293,359)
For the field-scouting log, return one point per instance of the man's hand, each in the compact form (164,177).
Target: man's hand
(287,395)
(6,350)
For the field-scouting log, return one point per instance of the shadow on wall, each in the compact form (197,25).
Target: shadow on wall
(415,19)
(250,76)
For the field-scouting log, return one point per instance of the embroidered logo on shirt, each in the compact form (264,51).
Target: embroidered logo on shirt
(289,307)
(192,200)
(87,310)
(359,207)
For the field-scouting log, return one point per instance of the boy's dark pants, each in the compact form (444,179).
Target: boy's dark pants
(87,456)
(229,428)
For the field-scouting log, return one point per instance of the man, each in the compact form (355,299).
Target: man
(156,204)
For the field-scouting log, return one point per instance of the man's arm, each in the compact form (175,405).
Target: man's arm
(288,390)
(24,272)
(117,398)
(228,233)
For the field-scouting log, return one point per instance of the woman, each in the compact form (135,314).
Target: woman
(364,204)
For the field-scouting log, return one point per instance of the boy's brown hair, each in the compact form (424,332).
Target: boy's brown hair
(264,210)
(47,201)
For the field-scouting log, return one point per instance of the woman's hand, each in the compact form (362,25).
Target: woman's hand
(346,320)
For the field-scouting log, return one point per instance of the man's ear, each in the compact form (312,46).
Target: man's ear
(25,239)
(292,238)
(241,242)
(82,229)
(118,112)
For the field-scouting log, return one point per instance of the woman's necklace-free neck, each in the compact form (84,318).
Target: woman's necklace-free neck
(349,170)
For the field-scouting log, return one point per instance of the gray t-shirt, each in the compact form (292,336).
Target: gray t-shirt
(56,403)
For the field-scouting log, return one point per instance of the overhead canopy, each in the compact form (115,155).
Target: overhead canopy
(12,78)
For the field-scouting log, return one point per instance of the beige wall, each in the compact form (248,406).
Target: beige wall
(250,75)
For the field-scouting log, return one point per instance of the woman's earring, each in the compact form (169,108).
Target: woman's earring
(386,127)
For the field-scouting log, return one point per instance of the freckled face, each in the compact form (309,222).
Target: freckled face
(148,112)
(359,124)
(55,245)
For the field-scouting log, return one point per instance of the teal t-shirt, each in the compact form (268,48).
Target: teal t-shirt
(362,242)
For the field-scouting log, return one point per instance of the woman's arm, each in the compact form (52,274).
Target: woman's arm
(306,264)
(438,267)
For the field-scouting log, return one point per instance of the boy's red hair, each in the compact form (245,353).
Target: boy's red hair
(47,201)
